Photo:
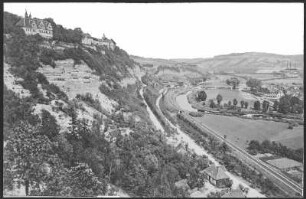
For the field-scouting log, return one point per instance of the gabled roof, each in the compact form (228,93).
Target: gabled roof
(237,193)
(216,173)
(27,22)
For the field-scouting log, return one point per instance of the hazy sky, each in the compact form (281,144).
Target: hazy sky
(182,30)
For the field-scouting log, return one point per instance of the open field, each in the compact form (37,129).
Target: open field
(285,81)
(229,95)
(240,130)
(291,138)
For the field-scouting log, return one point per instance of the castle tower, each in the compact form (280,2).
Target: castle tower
(30,16)
(26,14)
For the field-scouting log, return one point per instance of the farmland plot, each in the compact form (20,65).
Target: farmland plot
(241,131)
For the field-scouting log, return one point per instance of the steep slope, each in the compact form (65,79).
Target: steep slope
(82,123)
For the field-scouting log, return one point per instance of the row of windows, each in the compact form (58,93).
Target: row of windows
(41,31)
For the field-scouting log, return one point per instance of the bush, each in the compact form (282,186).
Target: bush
(196,114)
(47,57)
(66,35)
(88,99)
(52,88)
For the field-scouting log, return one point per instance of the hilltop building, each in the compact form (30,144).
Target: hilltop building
(89,40)
(33,26)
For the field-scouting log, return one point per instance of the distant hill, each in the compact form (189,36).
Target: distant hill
(154,61)
(250,62)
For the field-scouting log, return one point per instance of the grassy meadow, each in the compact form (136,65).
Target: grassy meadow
(240,131)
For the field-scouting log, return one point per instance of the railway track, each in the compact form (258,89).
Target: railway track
(272,171)
(277,175)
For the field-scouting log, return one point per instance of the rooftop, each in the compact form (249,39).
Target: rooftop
(216,173)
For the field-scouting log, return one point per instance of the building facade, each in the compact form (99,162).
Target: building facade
(33,26)
(274,95)
(89,40)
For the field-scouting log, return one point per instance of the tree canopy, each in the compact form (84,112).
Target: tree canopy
(233,81)
(253,83)
(201,96)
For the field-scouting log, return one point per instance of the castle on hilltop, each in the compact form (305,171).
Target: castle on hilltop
(89,40)
(32,26)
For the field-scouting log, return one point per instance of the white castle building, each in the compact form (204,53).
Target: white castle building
(89,40)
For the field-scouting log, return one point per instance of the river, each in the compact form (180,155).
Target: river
(182,101)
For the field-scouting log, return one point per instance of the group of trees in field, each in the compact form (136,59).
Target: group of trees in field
(234,104)
(253,83)
(255,86)
(290,104)
(201,96)
(266,146)
(286,104)
(233,82)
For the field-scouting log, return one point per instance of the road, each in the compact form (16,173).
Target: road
(274,173)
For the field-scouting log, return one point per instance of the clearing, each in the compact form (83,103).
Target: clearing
(240,131)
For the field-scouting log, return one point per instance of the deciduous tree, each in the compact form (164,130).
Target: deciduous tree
(201,96)
(265,106)
(257,105)
(246,104)
(219,99)
(242,103)
(235,102)
(253,83)
(284,104)
(233,81)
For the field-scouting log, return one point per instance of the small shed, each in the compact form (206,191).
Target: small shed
(216,176)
